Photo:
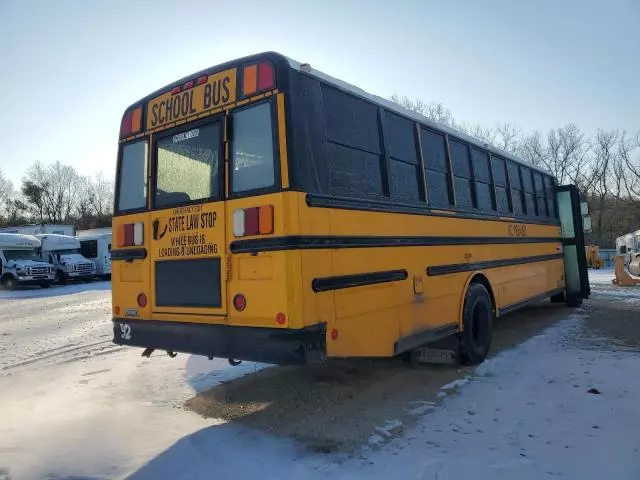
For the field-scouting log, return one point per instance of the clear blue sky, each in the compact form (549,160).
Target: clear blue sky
(69,68)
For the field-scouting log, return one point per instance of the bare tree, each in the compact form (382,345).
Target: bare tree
(599,177)
(435,111)
(52,191)
(6,190)
(485,134)
(564,153)
(101,196)
(507,136)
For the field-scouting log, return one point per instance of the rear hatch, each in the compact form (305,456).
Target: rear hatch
(187,244)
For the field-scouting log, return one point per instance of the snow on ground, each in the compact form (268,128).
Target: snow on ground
(76,406)
(603,276)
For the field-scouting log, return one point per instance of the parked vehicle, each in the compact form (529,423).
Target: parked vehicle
(97,248)
(63,252)
(20,264)
(41,228)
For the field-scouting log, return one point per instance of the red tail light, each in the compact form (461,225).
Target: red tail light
(239,302)
(257,77)
(130,234)
(265,76)
(253,221)
(125,125)
(142,300)
(131,122)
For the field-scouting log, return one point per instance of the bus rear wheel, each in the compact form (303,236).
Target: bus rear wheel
(477,325)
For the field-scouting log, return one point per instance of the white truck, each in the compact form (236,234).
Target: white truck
(97,248)
(20,264)
(63,252)
(41,228)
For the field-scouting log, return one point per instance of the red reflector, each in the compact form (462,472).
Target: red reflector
(142,300)
(252,221)
(175,90)
(128,234)
(281,318)
(202,79)
(188,85)
(125,126)
(239,302)
(265,76)
(334,334)
(117,310)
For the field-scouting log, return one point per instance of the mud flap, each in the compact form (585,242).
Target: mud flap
(445,351)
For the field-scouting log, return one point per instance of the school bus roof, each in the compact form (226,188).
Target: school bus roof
(305,68)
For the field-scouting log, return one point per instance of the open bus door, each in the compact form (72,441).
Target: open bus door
(575,262)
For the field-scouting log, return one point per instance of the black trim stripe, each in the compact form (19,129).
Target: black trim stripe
(304,242)
(527,301)
(357,280)
(470,267)
(129,254)
(375,205)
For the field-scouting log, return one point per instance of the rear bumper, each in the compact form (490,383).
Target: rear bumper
(265,345)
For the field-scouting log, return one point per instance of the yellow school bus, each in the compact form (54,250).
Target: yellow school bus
(265,211)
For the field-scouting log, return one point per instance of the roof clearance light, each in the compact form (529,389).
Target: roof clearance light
(265,76)
(250,80)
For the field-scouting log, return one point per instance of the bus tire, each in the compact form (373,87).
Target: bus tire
(574,301)
(9,282)
(558,298)
(477,325)
(45,285)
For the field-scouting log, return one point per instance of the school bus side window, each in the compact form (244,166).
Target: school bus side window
(406,178)
(252,160)
(516,188)
(132,191)
(462,179)
(484,187)
(500,180)
(434,151)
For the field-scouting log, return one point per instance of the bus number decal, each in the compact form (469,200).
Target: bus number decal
(125,331)
(517,230)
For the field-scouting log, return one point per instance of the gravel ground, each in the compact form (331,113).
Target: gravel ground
(343,405)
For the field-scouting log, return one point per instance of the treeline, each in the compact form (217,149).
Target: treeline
(56,193)
(605,166)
